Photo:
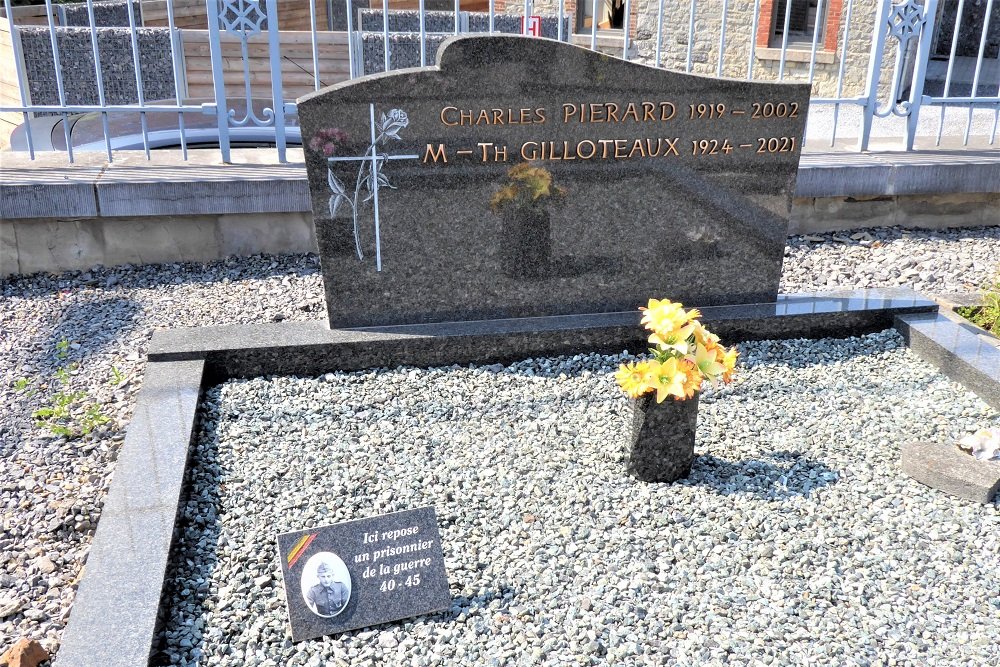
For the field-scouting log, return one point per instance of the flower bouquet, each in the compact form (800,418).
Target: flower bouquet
(683,356)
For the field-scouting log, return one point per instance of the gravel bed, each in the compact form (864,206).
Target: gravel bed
(51,489)
(796,539)
(947,261)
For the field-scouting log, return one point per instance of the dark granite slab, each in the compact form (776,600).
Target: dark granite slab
(946,468)
(958,351)
(388,567)
(645,200)
(115,612)
(311,348)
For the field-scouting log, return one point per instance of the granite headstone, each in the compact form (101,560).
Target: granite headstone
(528,177)
(364,572)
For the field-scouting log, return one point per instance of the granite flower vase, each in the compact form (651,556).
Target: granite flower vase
(525,242)
(662,438)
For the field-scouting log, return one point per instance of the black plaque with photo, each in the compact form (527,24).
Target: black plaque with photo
(363,572)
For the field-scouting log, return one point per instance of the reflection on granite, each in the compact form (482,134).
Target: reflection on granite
(963,355)
(632,197)
(115,612)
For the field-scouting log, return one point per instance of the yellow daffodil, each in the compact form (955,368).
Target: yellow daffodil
(664,317)
(631,378)
(666,378)
(678,341)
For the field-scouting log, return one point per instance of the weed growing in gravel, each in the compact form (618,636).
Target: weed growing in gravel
(988,315)
(67,412)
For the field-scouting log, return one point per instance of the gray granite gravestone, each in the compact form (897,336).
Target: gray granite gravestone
(364,572)
(527,177)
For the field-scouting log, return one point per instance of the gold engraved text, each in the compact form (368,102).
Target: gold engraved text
(433,155)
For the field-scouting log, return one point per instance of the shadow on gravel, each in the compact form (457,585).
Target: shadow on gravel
(194,553)
(789,475)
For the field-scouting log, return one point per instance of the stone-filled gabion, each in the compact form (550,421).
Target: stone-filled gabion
(76,59)
(405,38)
(404,50)
(106,14)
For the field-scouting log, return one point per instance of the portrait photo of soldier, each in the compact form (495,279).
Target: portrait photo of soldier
(326,584)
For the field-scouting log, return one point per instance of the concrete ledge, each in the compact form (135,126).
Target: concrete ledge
(946,468)
(255,183)
(913,173)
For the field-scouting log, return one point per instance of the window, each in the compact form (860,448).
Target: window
(801,22)
(805,17)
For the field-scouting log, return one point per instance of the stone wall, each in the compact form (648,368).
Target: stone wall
(77,63)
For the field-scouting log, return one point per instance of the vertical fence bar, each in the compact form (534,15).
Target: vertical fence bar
(840,71)
(625,28)
(874,71)
(527,13)
(99,77)
(593,26)
(59,80)
(492,15)
(722,37)
(996,119)
(659,35)
(423,35)
(218,81)
(277,94)
(458,9)
(351,38)
(562,17)
(920,71)
(979,68)
(21,88)
(385,34)
(784,39)
(694,4)
(134,38)
(315,48)
(951,67)
(816,30)
(753,39)
(178,64)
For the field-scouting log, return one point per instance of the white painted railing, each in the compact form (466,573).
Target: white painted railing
(867,60)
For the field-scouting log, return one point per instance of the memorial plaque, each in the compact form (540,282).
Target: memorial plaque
(526,177)
(364,572)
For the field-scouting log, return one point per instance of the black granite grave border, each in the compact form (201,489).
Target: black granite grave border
(114,618)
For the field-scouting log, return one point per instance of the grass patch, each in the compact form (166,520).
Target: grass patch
(987,315)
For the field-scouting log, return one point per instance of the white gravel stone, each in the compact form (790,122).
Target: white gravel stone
(795,539)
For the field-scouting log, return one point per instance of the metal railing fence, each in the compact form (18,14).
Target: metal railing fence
(236,66)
